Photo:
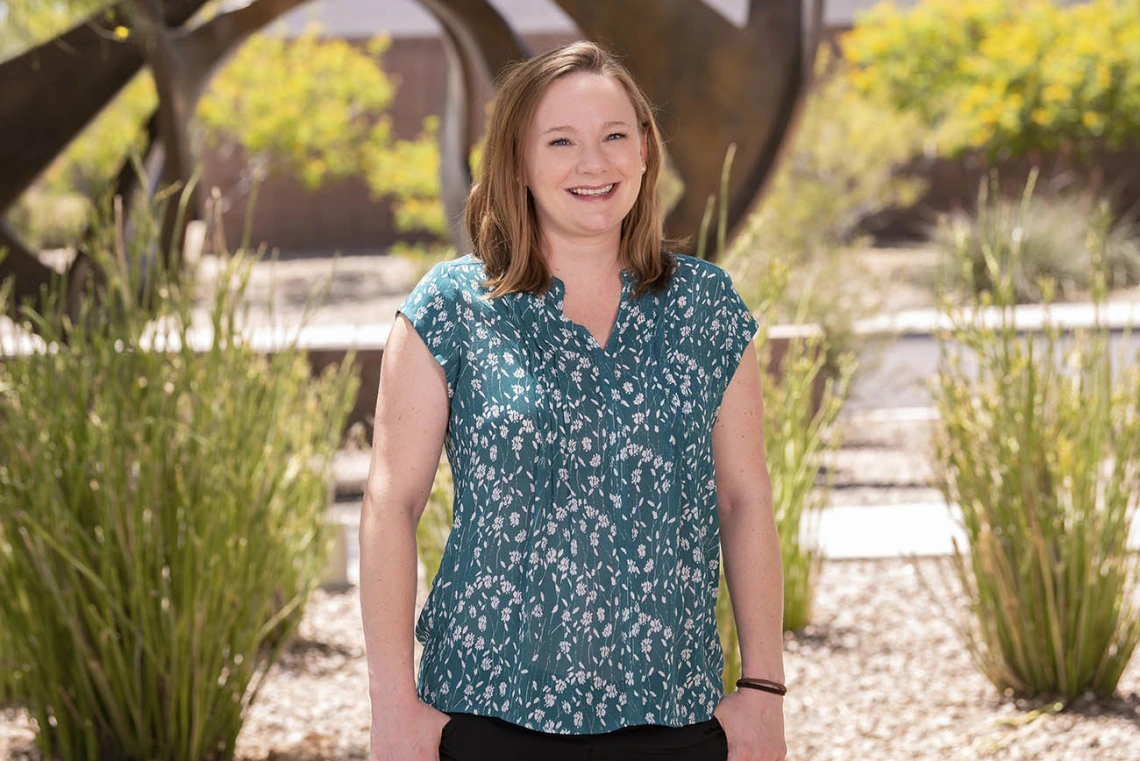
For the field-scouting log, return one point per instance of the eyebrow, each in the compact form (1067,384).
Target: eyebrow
(607,125)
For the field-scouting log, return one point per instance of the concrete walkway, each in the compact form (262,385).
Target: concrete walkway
(844,532)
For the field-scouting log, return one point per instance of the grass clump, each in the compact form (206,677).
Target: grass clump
(162,509)
(1039,446)
(1055,238)
(803,396)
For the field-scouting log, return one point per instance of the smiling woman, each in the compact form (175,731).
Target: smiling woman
(566,126)
(598,398)
(589,154)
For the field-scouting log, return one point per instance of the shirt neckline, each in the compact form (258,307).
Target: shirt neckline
(555,301)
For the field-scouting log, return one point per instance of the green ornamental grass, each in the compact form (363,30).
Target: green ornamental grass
(1039,446)
(801,404)
(162,513)
(1054,243)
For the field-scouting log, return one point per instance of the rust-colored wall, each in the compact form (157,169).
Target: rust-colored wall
(954,184)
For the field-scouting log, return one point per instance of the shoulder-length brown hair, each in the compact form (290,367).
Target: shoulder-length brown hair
(500,213)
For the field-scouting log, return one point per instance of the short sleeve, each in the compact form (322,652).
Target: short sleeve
(434,309)
(731,329)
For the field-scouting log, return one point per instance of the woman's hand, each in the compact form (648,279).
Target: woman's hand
(406,731)
(753,722)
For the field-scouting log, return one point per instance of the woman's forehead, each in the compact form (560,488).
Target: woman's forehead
(561,106)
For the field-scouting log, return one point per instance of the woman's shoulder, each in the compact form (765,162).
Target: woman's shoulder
(462,278)
(468,263)
(694,267)
(452,279)
(698,278)
(469,269)
(467,272)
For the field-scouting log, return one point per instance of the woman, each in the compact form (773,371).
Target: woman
(599,399)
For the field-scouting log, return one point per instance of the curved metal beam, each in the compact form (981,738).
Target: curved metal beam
(478,42)
(52,91)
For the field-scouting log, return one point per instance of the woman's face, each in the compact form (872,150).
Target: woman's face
(584,139)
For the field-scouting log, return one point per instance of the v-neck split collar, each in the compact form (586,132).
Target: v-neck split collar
(555,301)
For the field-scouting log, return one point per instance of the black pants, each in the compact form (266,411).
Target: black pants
(470,737)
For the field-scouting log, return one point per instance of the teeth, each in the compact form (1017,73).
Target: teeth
(598,192)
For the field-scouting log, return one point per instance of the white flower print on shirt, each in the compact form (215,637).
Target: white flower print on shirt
(578,586)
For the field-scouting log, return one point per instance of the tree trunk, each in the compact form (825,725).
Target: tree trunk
(54,90)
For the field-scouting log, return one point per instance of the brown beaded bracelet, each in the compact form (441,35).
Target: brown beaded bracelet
(762,684)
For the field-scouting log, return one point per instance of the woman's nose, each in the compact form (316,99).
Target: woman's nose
(592,159)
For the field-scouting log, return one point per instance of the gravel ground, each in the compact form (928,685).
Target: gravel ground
(884,459)
(880,675)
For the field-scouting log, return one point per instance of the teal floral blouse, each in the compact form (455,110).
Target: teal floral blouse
(577,589)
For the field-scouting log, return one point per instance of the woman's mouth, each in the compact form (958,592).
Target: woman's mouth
(594,194)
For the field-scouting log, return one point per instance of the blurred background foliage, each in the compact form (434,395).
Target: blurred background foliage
(306,106)
(839,167)
(1005,76)
(311,107)
(1057,236)
(27,23)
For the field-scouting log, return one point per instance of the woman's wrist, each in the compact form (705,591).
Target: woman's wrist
(763,685)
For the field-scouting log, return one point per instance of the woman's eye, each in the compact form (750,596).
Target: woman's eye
(564,140)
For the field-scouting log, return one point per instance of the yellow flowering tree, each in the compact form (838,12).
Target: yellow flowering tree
(1006,77)
(312,107)
(24,23)
(408,171)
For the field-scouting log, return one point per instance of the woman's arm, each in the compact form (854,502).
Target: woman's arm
(752,565)
(751,546)
(411,418)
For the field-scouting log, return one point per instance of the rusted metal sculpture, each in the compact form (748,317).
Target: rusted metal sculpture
(51,93)
(54,90)
(715,82)
(478,42)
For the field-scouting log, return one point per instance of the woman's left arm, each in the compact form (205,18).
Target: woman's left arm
(752,719)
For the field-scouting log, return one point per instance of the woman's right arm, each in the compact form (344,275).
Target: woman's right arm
(411,418)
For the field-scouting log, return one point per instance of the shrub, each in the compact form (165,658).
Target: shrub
(1043,460)
(839,168)
(49,220)
(307,105)
(9,688)
(408,171)
(310,107)
(799,432)
(1055,239)
(8,672)
(162,512)
(1003,76)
